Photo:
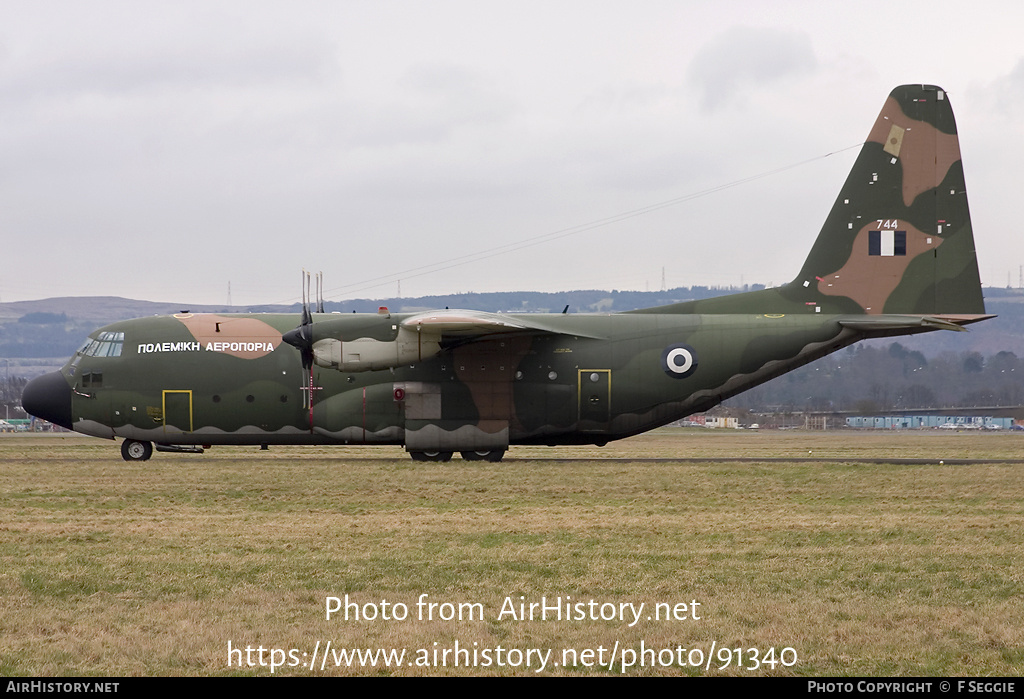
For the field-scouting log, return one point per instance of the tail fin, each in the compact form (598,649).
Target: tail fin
(898,239)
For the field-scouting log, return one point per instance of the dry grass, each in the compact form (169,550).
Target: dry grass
(110,568)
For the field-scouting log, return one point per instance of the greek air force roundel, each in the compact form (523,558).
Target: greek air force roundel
(679,361)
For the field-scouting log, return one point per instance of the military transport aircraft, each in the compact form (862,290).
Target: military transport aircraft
(895,256)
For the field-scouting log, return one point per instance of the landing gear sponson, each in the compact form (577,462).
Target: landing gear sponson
(134,450)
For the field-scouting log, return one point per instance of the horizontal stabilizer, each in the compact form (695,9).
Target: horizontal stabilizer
(887,323)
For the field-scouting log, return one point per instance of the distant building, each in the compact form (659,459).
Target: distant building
(933,422)
(710,421)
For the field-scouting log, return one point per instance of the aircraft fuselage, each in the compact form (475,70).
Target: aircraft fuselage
(597,379)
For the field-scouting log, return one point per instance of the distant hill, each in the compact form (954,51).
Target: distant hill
(107,309)
(35,335)
(99,310)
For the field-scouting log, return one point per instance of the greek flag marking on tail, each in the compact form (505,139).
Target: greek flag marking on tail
(887,243)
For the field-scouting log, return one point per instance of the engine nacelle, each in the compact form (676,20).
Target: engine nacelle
(367,354)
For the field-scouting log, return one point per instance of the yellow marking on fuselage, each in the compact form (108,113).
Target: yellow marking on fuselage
(164,401)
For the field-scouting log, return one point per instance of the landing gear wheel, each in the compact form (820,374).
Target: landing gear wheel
(442,456)
(492,455)
(132,450)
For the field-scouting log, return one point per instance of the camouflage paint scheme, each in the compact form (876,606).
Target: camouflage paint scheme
(895,256)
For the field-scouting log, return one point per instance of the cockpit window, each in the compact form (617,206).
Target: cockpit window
(106,344)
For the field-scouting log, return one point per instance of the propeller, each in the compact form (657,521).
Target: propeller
(301,338)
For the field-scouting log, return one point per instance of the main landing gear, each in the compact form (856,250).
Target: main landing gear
(492,455)
(133,450)
(442,456)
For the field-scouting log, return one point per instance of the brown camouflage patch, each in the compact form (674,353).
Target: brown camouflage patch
(870,279)
(925,153)
(246,338)
(487,369)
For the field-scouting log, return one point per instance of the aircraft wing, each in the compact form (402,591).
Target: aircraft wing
(472,324)
(421,336)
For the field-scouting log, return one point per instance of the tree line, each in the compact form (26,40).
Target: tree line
(870,378)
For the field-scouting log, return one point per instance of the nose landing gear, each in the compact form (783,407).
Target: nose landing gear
(133,450)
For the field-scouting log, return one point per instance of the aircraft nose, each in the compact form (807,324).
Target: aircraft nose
(48,397)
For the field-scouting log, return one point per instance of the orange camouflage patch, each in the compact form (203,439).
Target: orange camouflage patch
(246,338)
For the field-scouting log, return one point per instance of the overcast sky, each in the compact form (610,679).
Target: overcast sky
(162,150)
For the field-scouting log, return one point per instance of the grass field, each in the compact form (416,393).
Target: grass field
(110,568)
